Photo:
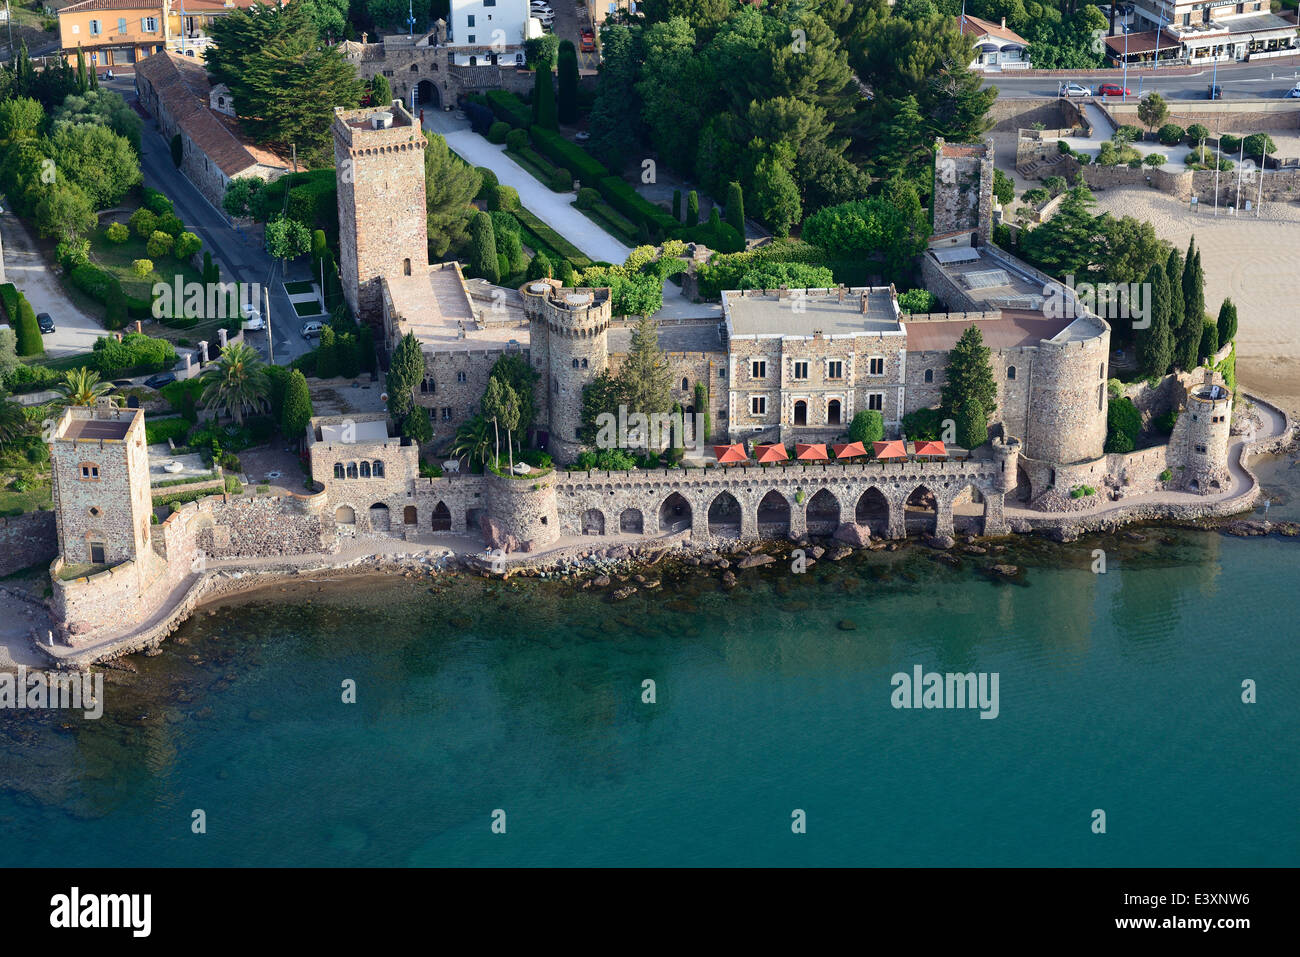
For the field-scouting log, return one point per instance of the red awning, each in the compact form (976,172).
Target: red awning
(929,447)
(731,453)
(850,450)
(771,453)
(891,449)
(810,451)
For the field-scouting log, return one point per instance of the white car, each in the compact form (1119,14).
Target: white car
(252,317)
(1074,89)
(1294,92)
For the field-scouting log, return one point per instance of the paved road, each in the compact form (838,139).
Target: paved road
(25,267)
(1271,79)
(241,259)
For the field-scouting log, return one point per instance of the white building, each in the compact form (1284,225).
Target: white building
(996,46)
(489,32)
(1208,30)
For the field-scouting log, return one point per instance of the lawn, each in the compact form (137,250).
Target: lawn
(36,496)
(311,308)
(298,288)
(117,258)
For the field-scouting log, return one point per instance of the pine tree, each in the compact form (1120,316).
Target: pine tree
(567,96)
(970,386)
(645,375)
(1155,344)
(483,249)
(1227,322)
(297,411)
(692,208)
(736,208)
(544,110)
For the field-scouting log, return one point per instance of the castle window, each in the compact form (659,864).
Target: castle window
(426,386)
(833,412)
(800,370)
(352,470)
(89,472)
(1200,449)
(378,469)
(472,40)
(929,375)
(406,267)
(470,22)
(758,405)
(835,370)
(758,369)
(876,400)
(446,413)
(575,363)
(584,363)
(1011,372)
(96,553)
(93,511)
(876,366)
(722,372)
(1102,373)
(365,470)
(1101,398)
(415,67)
(338,470)
(685,385)
(460,377)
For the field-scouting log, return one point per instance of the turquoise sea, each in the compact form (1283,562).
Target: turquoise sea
(1118,691)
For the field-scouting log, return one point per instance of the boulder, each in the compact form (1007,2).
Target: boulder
(840,552)
(622,593)
(974,550)
(1006,571)
(1021,527)
(846,624)
(850,533)
(753,561)
(943,542)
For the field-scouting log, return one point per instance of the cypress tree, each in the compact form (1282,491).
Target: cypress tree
(381,94)
(297,411)
(1194,303)
(972,424)
(544,111)
(483,248)
(82,83)
(692,208)
(1193,283)
(1209,339)
(736,208)
(1185,338)
(1227,323)
(94,80)
(567,97)
(970,393)
(1155,343)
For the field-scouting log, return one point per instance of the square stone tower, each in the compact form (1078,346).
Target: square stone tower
(963,189)
(102,500)
(383,225)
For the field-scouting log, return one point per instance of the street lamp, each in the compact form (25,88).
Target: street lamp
(410,18)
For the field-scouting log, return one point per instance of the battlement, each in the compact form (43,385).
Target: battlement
(375,129)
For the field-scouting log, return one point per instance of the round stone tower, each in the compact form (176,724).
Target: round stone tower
(1067,397)
(1006,452)
(568,342)
(523,511)
(1200,439)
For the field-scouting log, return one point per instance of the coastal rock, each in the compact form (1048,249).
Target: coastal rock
(840,552)
(850,533)
(974,550)
(846,624)
(619,552)
(722,563)
(753,561)
(1006,571)
(1289,529)
(601,581)
(940,541)
(1246,529)
(1065,533)
(652,585)
(944,558)
(728,579)
(623,593)
(818,551)
(1021,527)
(1135,537)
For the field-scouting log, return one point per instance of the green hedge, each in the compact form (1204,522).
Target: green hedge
(634,206)
(27,331)
(510,108)
(550,240)
(158,431)
(570,156)
(9,300)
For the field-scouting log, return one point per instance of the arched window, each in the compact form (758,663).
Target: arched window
(406,267)
(685,385)
(338,470)
(584,363)
(575,363)
(929,375)
(460,377)
(378,469)
(833,412)
(1011,372)
(365,470)
(352,470)
(415,68)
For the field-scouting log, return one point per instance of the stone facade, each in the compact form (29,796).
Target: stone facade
(28,539)
(383,226)
(963,189)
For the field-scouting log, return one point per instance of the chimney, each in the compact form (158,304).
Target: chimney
(1004,23)
(864,302)
(840,290)
(138,327)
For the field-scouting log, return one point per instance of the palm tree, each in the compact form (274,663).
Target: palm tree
(13,423)
(473,440)
(82,386)
(236,383)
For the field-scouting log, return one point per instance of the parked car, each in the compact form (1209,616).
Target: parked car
(312,330)
(1074,89)
(253,320)
(46,322)
(587,41)
(582,136)
(160,380)
(1294,92)
(1113,89)
(1215,92)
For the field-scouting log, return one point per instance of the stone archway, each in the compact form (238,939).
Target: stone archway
(725,520)
(801,412)
(675,514)
(872,511)
(921,511)
(773,515)
(593,522)
(472,517)
(345,515)
(379,518)
(428,94)
(823,513)
(409,516)
(631,521)
(441,518)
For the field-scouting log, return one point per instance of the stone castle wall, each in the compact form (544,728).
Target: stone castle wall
(28,539)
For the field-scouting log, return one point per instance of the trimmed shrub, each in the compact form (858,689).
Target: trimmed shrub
(171,224)
(510,108)
(561,181)
(1123,422)
(117,233)
(1154,160)
(187,245)
(142,267)
(626,200)
(1171,134)
(144,223)
(1229,143)
(27,331)
(692,208)
(489,182)
(159,245)
(503,198)
(517,139)
(569,155)
(1195,133)
(498,131)
(587,198)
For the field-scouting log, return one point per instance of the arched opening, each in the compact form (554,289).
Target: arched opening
(472,518)
(675,514)
(968,508)
(408,515)
(365,470)
(406,266)
(345,515)
(338,470)
(685,385)
(873,511)
(593,522)
(801,413)
(441,517)
(473,61)
(631,522)
(379,520)
(833,412)
(921,511)
(724,516)
(1011,372)
(823,513)
(352,470)
(377,469)
(773,514)
(1024,488)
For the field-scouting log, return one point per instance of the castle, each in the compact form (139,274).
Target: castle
(785,365)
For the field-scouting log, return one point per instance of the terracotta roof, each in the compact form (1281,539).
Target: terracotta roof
(182,84)
(975,27)
(1142,42)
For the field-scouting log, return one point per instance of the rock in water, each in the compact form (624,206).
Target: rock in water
(850,533)
(940,541)
(753,561)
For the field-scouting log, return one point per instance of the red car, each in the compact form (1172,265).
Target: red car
(1112,89)
(587,42)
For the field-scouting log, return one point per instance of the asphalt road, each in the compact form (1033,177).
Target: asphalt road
(1270,79)
(241,259)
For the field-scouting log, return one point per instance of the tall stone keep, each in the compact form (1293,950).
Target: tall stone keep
(101,490)
(383,225)
(568,341)
(1201,436)
(963,189)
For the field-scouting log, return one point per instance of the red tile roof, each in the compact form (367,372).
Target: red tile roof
(975,27)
